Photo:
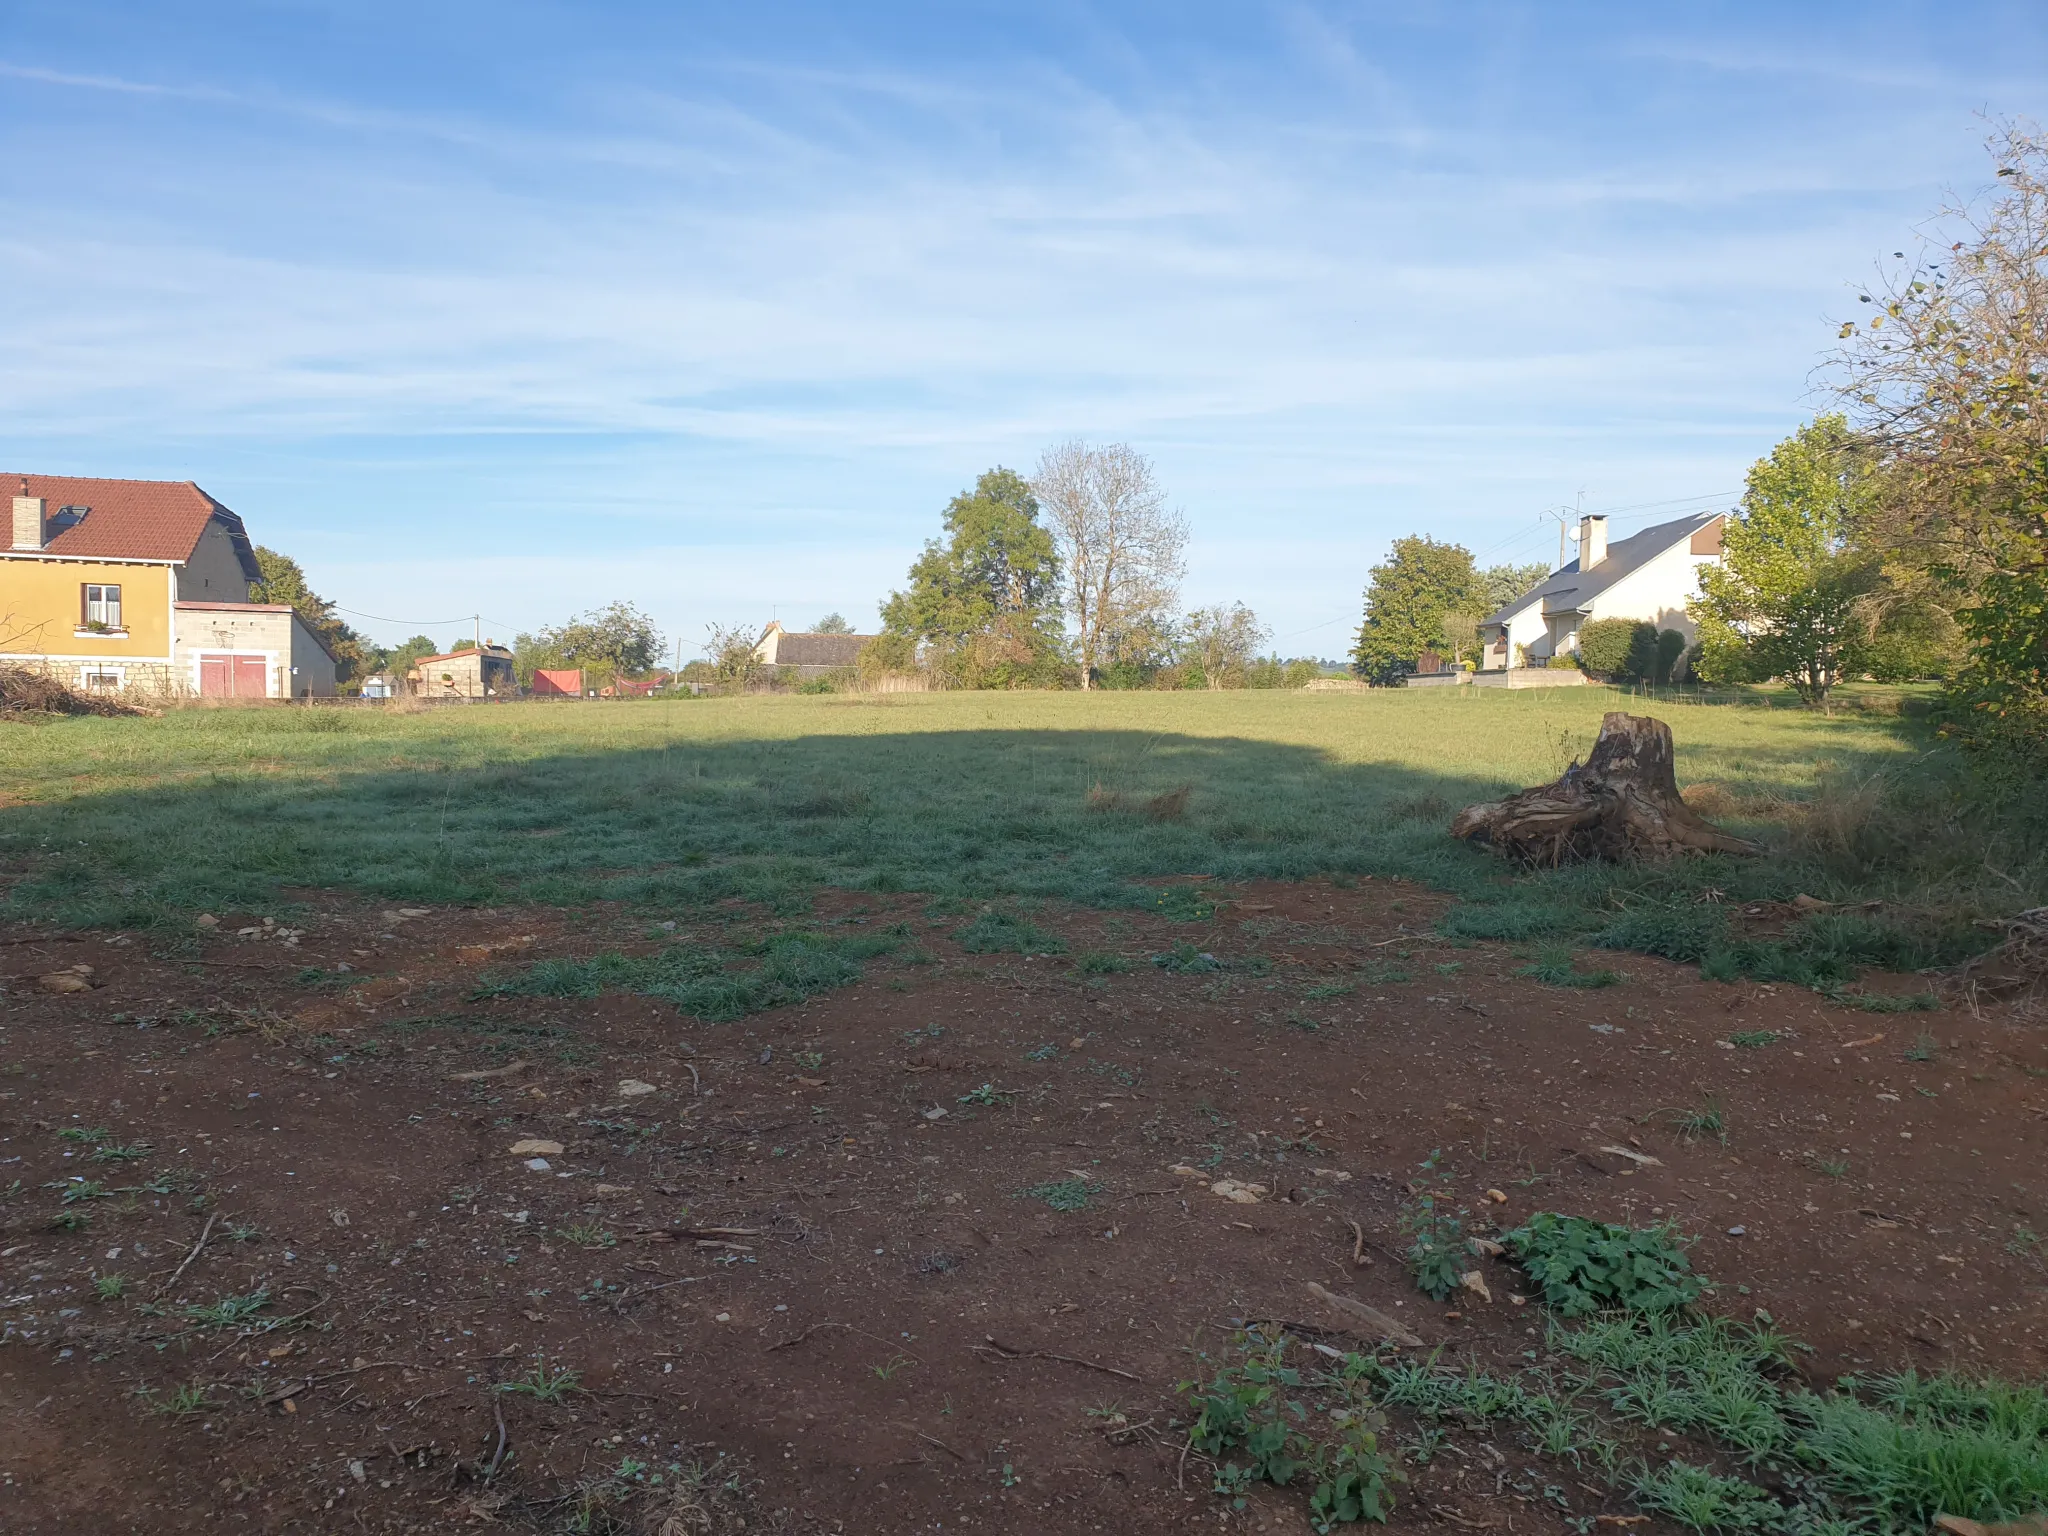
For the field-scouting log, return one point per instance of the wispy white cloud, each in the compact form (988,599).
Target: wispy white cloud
(1363,276)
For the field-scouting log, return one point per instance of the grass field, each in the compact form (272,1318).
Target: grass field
(998,797)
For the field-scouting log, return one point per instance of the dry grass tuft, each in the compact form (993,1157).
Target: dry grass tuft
(1709,799)
(1852,820)
(1102,799)
(700,1505)
(1171,806)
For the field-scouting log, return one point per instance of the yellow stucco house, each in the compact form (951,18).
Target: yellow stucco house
(143,586)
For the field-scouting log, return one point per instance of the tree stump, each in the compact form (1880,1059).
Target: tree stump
(1622,803)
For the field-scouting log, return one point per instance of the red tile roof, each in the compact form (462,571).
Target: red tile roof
(130,519)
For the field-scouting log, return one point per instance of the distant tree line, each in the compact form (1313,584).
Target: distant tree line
(1069,577)
(608,643)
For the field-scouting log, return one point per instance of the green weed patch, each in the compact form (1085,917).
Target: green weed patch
(994,933)
(1553,966)
(1260,1419)
(710,984)
(1630,1357)
(1584,1266)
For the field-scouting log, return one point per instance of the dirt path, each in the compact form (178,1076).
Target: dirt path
(805,1254)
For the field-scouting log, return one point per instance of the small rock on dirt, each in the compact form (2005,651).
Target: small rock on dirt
(1383,1326)
(533,1146)
(1241,1194)
(633,1088)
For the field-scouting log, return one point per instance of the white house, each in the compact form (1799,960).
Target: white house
(1650,575)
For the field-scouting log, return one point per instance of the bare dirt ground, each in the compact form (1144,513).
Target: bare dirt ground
(804,1267)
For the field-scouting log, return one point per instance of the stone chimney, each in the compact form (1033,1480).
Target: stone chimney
(28,520)
(1592,542)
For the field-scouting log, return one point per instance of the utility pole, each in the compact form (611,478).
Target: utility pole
(1564,535)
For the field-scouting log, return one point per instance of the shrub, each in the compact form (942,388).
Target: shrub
(1670,647)
(1587,1266)
(1619,648)
(1438,1254)
(1258,1420)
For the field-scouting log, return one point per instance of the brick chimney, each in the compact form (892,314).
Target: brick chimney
(28,519)
(1592,542)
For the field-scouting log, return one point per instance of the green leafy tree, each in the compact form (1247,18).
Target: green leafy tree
(983,601)
(1504,583)
(399,659)
(1219,642)
(730,651)
(283,581)
(1792,592)
(1421,583)
(608,643)
(832,624)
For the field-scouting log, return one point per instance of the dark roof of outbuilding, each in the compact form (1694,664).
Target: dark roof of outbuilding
(1566,591)
(794,650)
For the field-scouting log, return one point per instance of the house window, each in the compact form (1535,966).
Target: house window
(102,606)
(100,679)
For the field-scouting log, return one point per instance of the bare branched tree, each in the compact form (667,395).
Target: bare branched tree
(1947,371)
(1122,546)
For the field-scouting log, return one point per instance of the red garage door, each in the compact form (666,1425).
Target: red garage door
(233,677)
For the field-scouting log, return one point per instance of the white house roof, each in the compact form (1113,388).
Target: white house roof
(1567,591)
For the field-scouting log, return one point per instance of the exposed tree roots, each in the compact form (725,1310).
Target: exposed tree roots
(1622,803)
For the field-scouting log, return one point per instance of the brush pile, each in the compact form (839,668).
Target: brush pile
(25,693)
(2016,971)
(1621,804)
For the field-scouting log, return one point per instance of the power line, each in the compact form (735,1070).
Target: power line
(1638,508)
(463,618)
(1675,502)
(1341,618)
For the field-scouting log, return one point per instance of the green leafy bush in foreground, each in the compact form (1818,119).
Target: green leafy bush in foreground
(1584,1266)
(1260,1419)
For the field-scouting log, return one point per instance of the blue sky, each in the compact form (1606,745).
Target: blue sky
(518,308)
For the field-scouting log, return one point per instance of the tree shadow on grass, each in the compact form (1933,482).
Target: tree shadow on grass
(971,815)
